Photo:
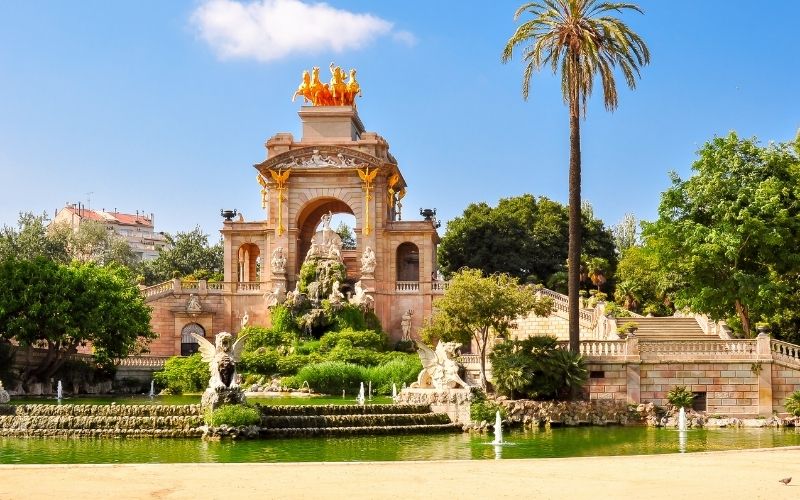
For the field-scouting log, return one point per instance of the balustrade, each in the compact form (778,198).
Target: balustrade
(698,349)
(157,289)
(156,362)
(248,286)
(785,352)
(407,286)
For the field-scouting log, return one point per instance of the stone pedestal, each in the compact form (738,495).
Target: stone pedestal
(326,123)
(455,402)
(214,398)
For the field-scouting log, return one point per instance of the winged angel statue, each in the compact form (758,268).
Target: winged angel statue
(439,367)
(221,359)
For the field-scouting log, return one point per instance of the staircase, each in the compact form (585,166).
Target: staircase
(351,420)
(668,328)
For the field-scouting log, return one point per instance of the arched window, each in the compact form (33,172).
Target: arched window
(189,344)
(248,262)
(407,262)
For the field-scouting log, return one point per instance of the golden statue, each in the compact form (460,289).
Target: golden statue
(337,93)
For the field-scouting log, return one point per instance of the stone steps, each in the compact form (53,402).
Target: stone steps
(667,328)
(350,421)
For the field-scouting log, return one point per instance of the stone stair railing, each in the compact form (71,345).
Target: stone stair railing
(785,352)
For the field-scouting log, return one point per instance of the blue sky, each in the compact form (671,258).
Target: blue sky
(164,107)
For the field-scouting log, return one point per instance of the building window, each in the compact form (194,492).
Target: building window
(407,262)
(597,374)
(189,344)
(699,401)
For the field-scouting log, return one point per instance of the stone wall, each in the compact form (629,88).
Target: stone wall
(607,381)
(785,381)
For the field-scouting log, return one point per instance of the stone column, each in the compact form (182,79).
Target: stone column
(764,373)
(633,369)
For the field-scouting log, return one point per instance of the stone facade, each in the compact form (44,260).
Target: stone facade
(336,167)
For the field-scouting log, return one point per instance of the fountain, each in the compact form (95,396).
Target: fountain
(59,391)
(152,392)
(394,391)
(682,420)
(360,398)
(498,430)
(369,391)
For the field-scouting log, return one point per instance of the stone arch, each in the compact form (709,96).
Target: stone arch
(308,219)
(248,258)
(407,262)
(189,344)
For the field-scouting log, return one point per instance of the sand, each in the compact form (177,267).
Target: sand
(734,474)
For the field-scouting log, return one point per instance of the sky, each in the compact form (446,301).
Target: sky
(164,107)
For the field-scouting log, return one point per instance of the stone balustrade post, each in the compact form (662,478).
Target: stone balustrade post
(202,287)
(176,285)
(762,367)
(633,369)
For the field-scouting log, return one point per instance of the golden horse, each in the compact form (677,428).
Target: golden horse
(321,94)
(353,89)
(304,89)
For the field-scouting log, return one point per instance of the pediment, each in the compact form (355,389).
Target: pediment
(315,157)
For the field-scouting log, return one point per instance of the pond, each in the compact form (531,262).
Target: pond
(545,443)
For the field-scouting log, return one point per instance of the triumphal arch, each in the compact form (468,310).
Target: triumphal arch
(335,167)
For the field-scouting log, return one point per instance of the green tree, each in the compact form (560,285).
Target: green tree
(523,236)
(346,234)
(727,232)
(580,40)
(626,233)
(31,238)
(477,308)
(60,307)
(185,254)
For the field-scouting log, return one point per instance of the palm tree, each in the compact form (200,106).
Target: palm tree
(579,39)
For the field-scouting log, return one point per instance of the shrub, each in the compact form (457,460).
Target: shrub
(349,317)
(258,336)
(261,361)
(628,327)
(395,371)
(792,403)
(291,364)
(234,416)
(307,347)
(189,374)
(483,409)
(680,397)
(282,320)
(367,339)
(346,352)
(330,377)
(537,368)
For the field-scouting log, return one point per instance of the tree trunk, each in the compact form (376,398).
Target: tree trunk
(574,251)
(744,317)
(482,352)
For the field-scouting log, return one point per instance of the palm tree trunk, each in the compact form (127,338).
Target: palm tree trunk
(574,251)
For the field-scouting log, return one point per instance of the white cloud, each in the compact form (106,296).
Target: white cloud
(267,30)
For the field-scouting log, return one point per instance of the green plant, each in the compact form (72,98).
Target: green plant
(792,403)
(482,409)
(399,370)
(282,319)
(258,336)
(331,377)
(183,374)
(628,327)
(537,368)
(367,339)
(233,415)
(680,397)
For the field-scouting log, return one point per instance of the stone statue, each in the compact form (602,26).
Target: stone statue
(221,359)
(272,298)
(368,261)
(440,370)
(361,298)
(326,228)
(4,397)
(405,325)
(336,295)
(278,262)
(193,304)
(245,319)
(338,93)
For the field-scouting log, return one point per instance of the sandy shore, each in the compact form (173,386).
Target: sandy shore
(737,474)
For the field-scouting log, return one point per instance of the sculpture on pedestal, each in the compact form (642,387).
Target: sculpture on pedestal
(221,358)
(405,326)
(278,262)
(440,370)
(368,261)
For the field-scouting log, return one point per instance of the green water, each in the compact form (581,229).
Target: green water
(564,442)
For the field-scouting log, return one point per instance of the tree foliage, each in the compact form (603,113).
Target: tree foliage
(728,233)
(186,254)
(523,236)
(537,368)
(477,308)
(31,239)
(60,307)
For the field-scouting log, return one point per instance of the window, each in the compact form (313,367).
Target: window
(699,401)
(597,374)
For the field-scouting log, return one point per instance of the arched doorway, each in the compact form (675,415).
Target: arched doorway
(248,259)
(189,344)
(308,222)
(407,262)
